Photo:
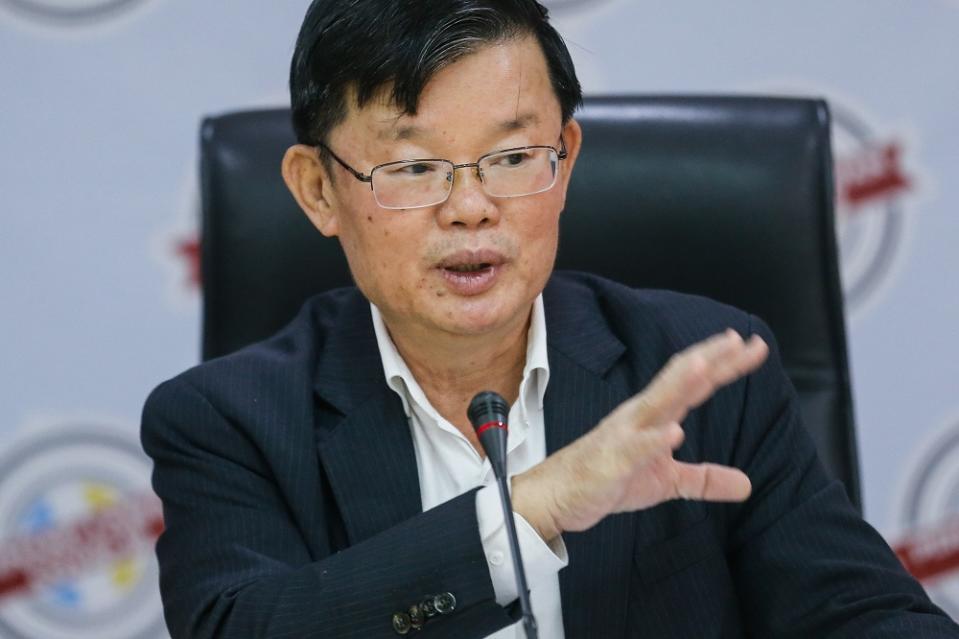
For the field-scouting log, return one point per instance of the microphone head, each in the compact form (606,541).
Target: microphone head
(488,413)
(488,407)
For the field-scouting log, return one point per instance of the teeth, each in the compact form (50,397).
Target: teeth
(466,268)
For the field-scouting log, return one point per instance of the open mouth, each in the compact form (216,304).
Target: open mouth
(472,272)
(469,268)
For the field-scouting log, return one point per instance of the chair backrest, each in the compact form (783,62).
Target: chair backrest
(728,197)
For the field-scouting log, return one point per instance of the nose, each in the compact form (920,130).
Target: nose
(468,205)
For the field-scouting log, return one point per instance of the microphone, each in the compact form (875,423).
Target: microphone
(489,415)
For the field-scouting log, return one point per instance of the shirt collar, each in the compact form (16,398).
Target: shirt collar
(397,373)
(537,362)
(401,380)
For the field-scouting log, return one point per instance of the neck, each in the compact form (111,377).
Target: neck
(451,369)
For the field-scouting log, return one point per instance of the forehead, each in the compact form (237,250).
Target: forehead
(499,88)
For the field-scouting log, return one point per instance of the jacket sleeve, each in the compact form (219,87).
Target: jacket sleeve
(804,561)
(233,563)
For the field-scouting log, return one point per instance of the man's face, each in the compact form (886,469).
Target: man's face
(410,263)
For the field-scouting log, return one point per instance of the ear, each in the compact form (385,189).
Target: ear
(309,182)
(573,139)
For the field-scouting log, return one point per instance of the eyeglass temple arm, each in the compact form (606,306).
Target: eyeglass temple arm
(359,176)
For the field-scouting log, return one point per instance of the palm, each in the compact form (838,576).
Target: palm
(626,463)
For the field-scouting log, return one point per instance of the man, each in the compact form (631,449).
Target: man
(328,483)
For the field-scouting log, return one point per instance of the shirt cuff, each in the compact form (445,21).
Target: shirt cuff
(540,559)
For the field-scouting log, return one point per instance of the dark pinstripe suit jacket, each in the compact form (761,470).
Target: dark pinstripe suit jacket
(292,502)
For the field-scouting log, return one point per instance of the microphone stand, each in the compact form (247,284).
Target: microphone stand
(529,621)
(488,412)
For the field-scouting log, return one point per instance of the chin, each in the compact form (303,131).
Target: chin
(480,317)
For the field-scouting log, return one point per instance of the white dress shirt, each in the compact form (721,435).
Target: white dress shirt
(448,466)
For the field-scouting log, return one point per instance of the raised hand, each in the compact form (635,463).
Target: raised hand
(625,463)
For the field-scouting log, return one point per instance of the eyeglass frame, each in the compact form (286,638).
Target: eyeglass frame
(561,154)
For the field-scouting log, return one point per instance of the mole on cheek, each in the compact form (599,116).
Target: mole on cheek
(369,218)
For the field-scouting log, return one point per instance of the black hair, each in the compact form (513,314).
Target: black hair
(367,46)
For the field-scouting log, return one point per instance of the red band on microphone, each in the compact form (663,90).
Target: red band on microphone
(482,429)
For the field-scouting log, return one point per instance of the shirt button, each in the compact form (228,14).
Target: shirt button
(496,558)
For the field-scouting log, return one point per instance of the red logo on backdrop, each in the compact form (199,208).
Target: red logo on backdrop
(78,522)
(41,558)
(874,174)
(931,553)
(872,186)
(188,250)
(929,511)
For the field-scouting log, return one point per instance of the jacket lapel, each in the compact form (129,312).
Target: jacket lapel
(581,391)
(363,436)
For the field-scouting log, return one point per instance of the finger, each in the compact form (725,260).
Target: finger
(739,358)
(710,482)
(672,435)
(699,371)
(659,400)
(633,446)
(693,375)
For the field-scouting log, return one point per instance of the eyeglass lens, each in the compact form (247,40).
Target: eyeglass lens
(418,183)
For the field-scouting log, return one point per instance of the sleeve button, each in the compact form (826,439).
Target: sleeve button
(428,608)
(402,623)
(445,603)
(416,617)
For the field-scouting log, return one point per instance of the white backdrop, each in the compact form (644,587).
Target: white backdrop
(100,102)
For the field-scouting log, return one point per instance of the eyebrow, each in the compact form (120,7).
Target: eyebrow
(411,131)
(519,122)
(401,132)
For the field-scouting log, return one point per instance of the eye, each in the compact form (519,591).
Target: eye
(412,169)
(513,159)
(418,168)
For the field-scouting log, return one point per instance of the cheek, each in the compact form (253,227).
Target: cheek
(542,234)
(363,240)
(386,260)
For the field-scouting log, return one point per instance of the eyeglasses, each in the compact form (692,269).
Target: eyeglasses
(412,184)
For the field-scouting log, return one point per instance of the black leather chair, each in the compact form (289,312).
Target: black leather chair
(728,197)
